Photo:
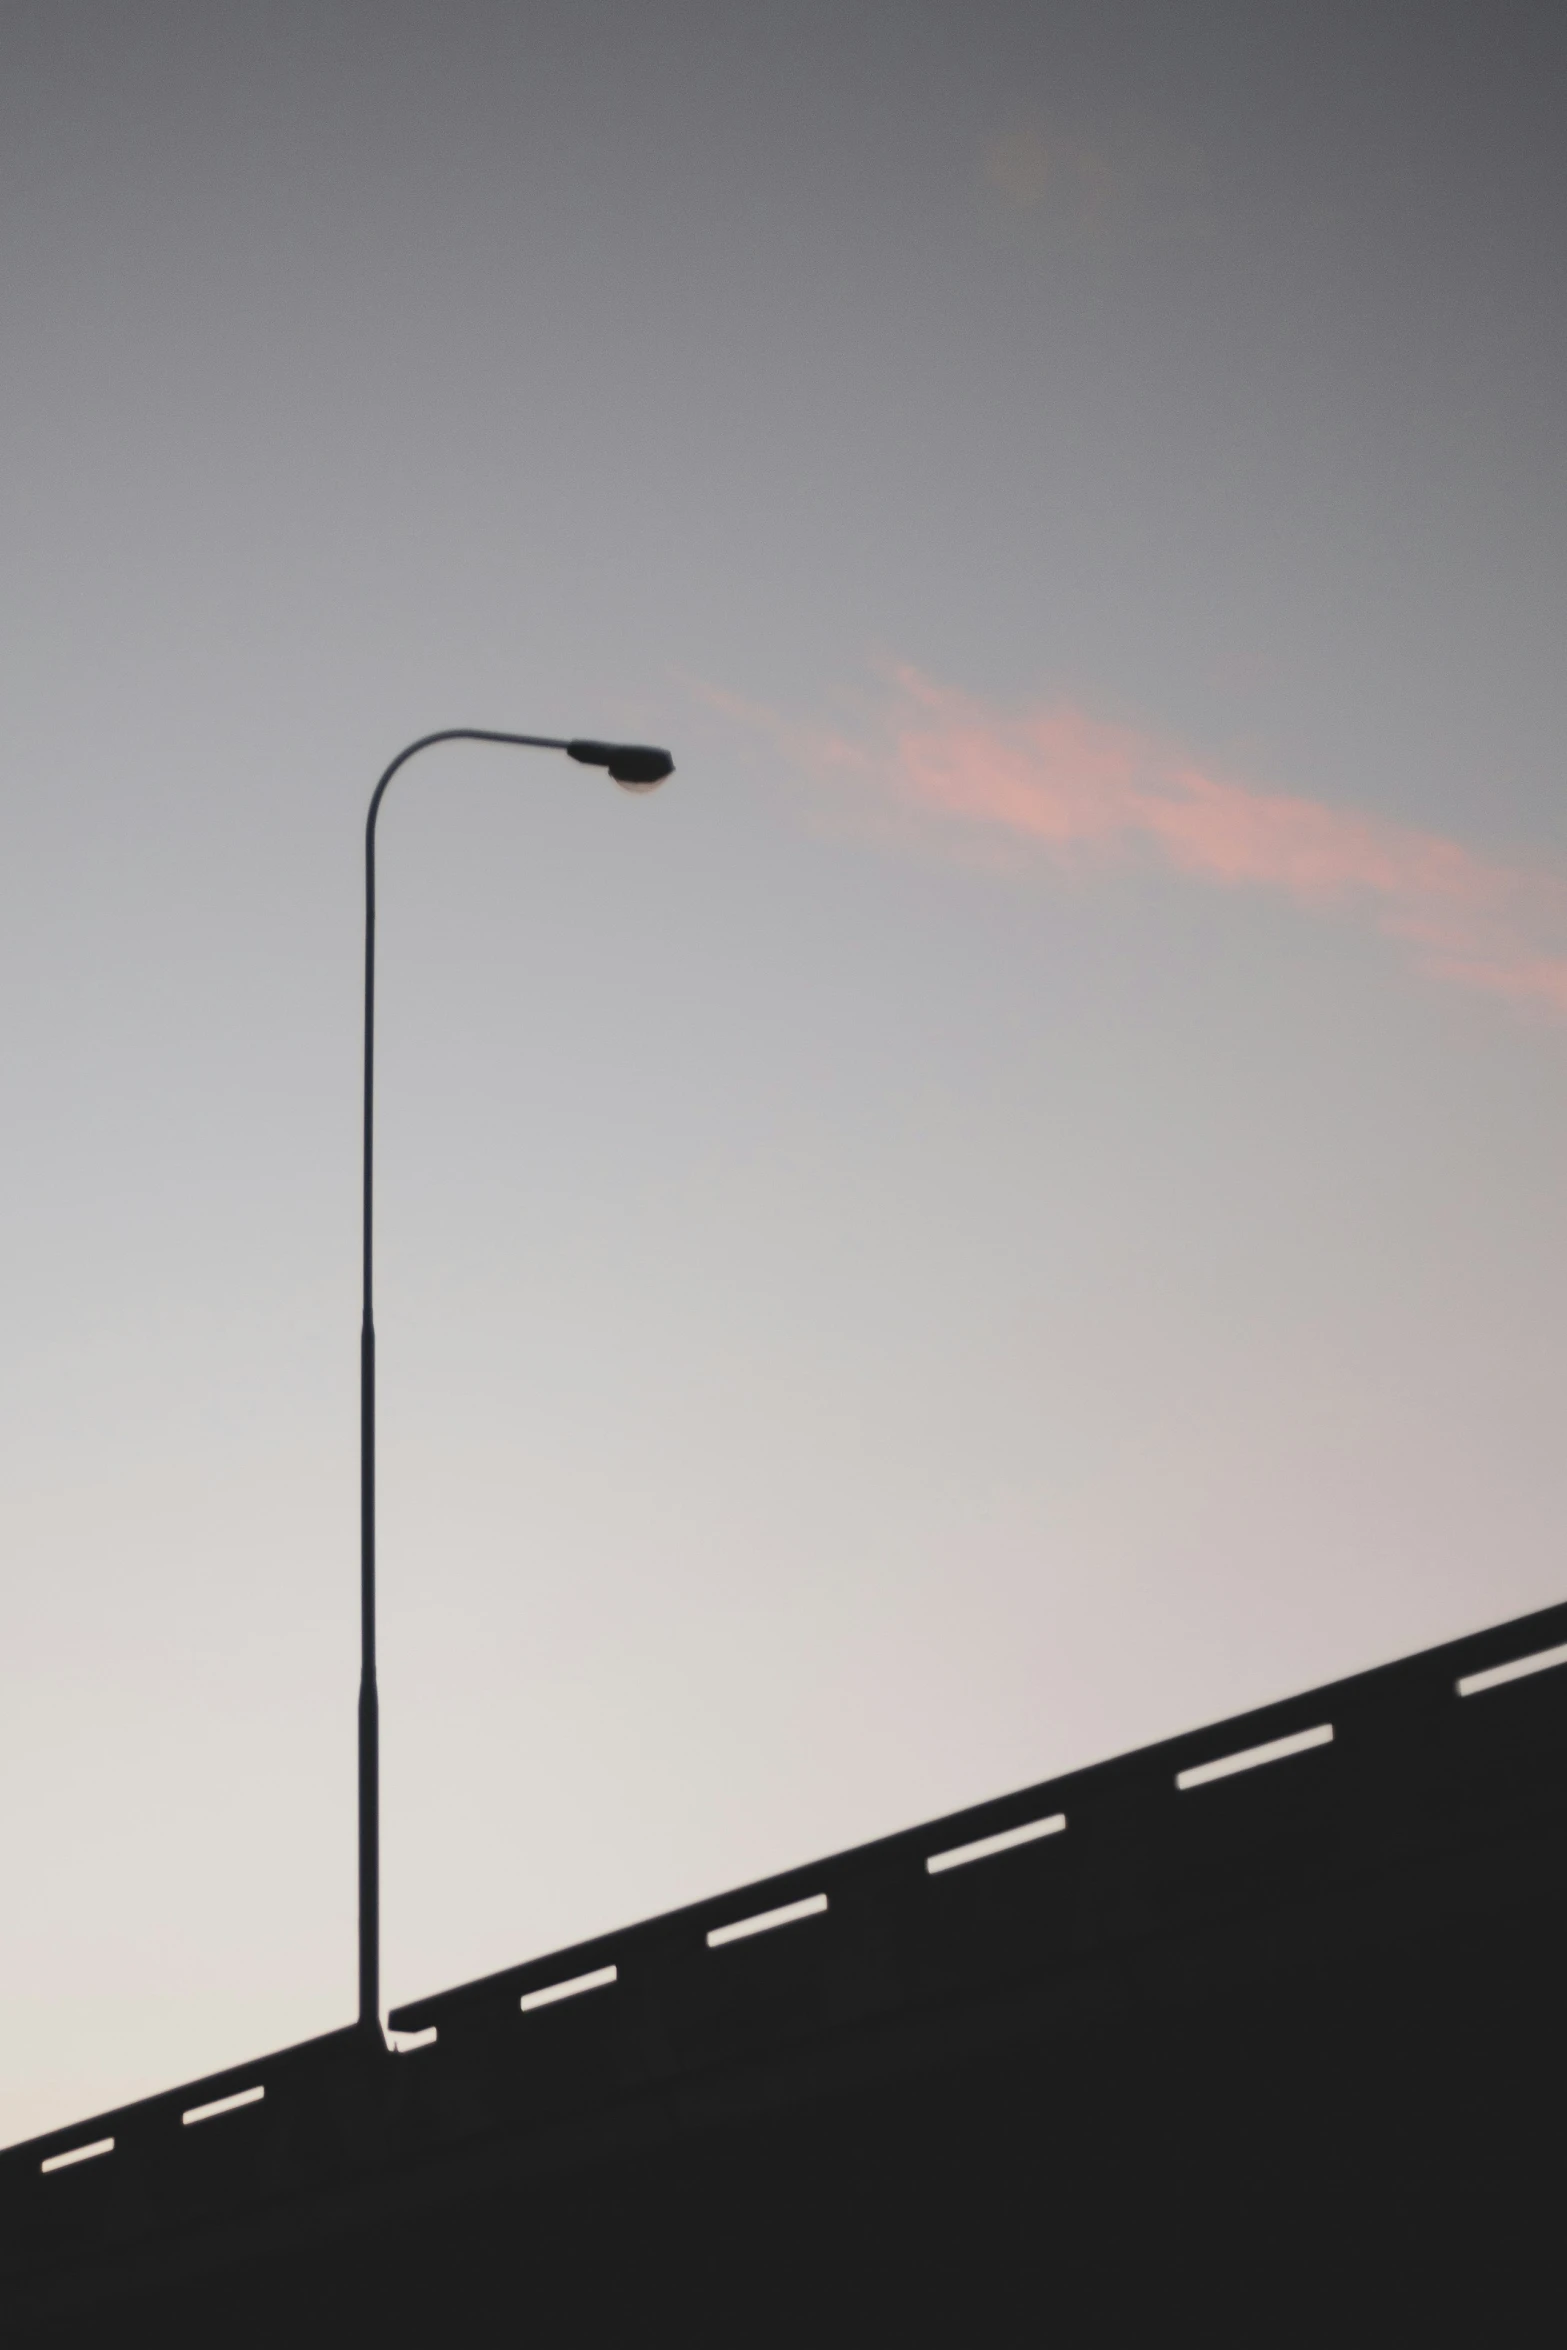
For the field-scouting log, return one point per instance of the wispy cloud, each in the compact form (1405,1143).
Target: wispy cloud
(1086,794)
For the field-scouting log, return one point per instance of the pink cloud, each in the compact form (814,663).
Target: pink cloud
(1085,792)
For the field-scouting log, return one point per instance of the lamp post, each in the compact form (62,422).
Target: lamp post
(638,767)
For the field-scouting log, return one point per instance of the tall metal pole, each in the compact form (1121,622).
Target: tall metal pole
(639,767)
(369,1701)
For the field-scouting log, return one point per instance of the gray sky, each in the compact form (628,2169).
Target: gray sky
(1017,1205)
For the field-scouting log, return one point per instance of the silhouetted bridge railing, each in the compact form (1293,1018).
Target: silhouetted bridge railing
(1424,1799)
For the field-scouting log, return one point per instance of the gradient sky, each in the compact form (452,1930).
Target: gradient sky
(1017,1205)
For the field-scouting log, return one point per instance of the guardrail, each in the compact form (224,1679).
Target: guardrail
(1460,1747)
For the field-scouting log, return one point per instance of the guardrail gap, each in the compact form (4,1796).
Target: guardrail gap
(982,1847)
(77,2154)
(407,2043)
(1496,1675)
(766,1919)
(207,2113)
(1252,1758)
(598,1980)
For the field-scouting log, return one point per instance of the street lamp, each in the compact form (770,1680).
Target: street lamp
(638,767)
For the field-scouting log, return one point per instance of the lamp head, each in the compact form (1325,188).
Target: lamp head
(636,766)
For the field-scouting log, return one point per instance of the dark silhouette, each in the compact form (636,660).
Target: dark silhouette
(639,767)
(1255,2036)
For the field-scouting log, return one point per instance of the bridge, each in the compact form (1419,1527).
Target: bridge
(1255,2031)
